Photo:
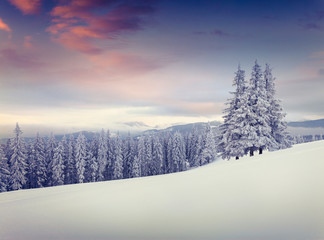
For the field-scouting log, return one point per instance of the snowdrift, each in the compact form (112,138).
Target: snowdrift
(275,196)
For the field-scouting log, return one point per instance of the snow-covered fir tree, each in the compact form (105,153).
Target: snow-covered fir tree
(194,148)
(118,161)
(36,163)
(275,112)
(69,169)
(51,145)
(17,162)
(141,153)
(102,155)
(177,153)
(57,166)
(228,133)
(80,158)
(147,165)
(157,156)
(92,167)
(4,171)
(259,106)
(110,157)
(136,167)
(208,151)
(239,120)
(128,155)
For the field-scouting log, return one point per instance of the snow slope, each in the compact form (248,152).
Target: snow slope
(276,196)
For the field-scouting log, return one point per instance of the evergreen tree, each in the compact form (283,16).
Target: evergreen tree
(17,161)
(102,155)
(157,156)
(194,148)
(128,156)
(118,161)
(141,153)
(4,171)
(177,153)
(37,165)
(69,169)
(51,145)
(232,140)
(80,158)
(275,112)
(208,152)
(92,168)
(147,168)
(136,167)
(57,166)
(259,106)
(110,157)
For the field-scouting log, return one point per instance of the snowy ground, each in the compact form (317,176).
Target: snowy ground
(276,196)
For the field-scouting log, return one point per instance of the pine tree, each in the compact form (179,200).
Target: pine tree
(232,137)
(194,148)
(92,168)
(36,161)
(102,155)
(17,161)
(136,167)
(147,168)
(110,157)
(51,145)
(157,156)
(128,156)
(70,170)
(80,158)
(208,152)
(57,166)
(4,171)
(118,161)
(141,153)
(275,112)
(177,154)
(260,105)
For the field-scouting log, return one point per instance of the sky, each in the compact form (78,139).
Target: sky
(67,66)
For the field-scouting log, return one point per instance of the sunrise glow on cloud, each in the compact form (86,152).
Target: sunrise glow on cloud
(82,64)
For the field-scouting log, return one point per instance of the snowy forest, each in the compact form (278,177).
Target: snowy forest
(253,121)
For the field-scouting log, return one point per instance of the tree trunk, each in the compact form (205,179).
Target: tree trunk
(237,158)
(251,153)
(260,150)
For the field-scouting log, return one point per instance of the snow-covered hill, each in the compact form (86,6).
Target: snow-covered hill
(275,196)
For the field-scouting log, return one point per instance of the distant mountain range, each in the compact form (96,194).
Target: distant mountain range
(308,124)
(185,128)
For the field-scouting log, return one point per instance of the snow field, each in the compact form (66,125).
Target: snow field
(274,196)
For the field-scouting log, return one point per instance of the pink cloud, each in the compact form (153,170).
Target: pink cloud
(317,55)
(4,26)
(27,6)
(11,57)
(28,42)
(77,24)
(125,63)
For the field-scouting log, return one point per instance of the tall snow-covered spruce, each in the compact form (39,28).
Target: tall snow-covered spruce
(254,119)
(235,131)
(80,158)
(18,165)
(276,116)
(4,171)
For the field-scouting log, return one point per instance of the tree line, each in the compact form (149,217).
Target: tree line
(42,163)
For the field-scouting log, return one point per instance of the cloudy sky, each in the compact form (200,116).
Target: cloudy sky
(132,64)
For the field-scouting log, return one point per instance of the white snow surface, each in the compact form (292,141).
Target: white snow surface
(274,196)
